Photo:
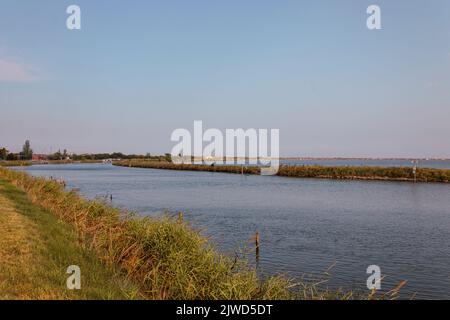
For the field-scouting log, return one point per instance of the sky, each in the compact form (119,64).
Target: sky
(137,70)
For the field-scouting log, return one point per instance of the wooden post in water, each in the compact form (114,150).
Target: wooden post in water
(180,216)
(257,246)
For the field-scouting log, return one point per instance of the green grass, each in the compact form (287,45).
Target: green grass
(53,245)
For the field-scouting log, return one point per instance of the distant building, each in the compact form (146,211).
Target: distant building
(39,157)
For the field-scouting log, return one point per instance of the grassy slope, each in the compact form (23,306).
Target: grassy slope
(35,250)
(14,163)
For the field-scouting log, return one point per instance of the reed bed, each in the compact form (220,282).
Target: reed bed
(345,173)
(189,167)
(367,173)
(14,163)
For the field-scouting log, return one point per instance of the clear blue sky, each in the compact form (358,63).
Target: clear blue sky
(139,69)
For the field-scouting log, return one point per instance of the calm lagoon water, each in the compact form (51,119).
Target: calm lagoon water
(306,225)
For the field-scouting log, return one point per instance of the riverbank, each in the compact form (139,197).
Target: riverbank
(404,174)
(15,163)
(21,163)
(165,257)
(35,250)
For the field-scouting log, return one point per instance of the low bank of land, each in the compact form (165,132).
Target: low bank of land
(345,173)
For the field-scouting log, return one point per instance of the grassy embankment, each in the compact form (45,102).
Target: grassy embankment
(35,250)
(155,258)
(19,163)
(349,173)
(15,163)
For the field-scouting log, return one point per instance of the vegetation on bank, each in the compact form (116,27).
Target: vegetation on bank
(21,163)
(367,173)
(104,156)
(190,167)
(349,173)
(165,257)
(25,154)
(15,163)
(35,250)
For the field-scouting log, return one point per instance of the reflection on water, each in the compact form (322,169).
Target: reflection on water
(305,225)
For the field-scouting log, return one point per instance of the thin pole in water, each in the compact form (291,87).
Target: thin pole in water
(415,163)
(257,245)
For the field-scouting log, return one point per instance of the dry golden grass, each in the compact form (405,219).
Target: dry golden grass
(19,240)
(35,251)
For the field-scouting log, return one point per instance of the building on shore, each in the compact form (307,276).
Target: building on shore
(39,157)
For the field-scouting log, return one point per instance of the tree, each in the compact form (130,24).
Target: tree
(27,152)
(3,153)
(11,157)
(56,156)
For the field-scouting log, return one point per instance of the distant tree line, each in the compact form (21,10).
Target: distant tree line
(119,155)
(25,154)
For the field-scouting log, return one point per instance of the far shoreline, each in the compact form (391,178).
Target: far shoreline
(310,171)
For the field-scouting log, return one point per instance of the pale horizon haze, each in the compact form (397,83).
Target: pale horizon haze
(137,70)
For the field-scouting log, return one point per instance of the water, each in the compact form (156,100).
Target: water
(305,225)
